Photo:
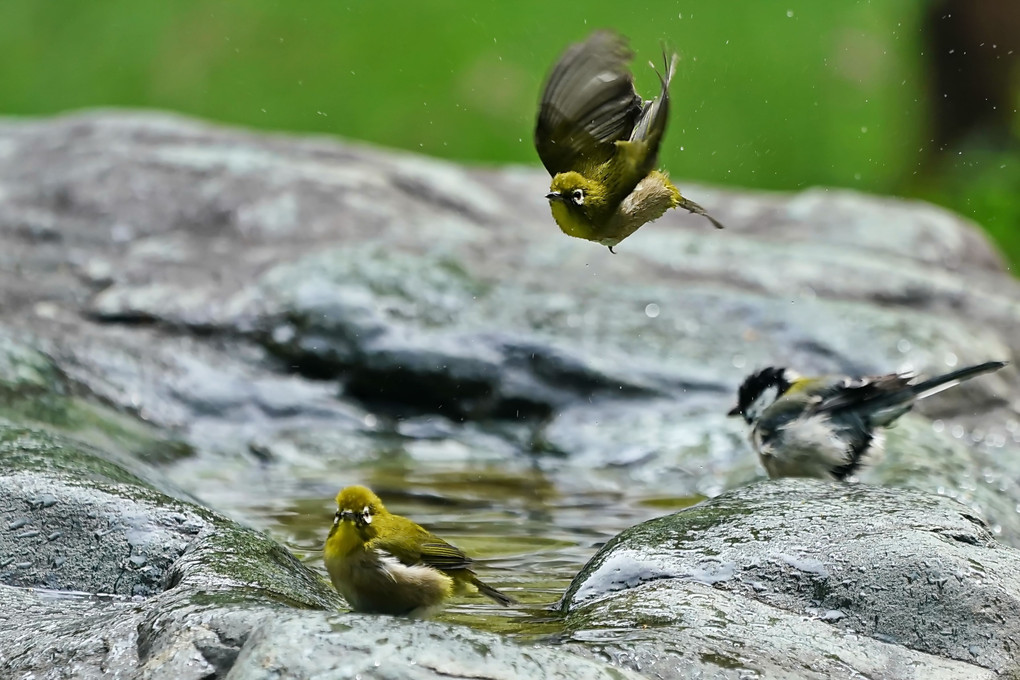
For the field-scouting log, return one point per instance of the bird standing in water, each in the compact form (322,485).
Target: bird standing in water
(386,564)
(600,142)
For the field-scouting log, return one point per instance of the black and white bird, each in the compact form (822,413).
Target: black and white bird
(824,426)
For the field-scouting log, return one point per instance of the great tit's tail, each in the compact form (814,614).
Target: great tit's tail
(944,382)
(493,594)
(886,409)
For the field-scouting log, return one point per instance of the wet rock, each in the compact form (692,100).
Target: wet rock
(137,584)
(196,266)
(318,645)
(104,575)
(231,316)
(884,582)
(379,270)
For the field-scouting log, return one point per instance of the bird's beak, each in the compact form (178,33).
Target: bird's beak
(735,411)
(346,515)
(555,196)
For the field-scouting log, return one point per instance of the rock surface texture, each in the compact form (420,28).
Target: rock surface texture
(182,303)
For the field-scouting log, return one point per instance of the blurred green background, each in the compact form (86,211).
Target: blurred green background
(773,95)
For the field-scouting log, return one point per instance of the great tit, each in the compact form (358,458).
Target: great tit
(386,564)
(600,142)
(823,427)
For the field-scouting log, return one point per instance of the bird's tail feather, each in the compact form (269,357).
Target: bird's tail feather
(944,382)
(690,206)
(884,410)
(493,594)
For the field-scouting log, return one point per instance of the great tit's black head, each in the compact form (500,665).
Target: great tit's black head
(758,391)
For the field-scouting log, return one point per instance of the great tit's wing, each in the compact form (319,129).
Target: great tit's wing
(871,393)
(588,105)
(884,398)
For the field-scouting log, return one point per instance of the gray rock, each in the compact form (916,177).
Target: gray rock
(805,579)
(315,645)
(196,312)
(105,576)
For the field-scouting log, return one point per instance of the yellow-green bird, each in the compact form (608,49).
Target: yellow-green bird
(386,564)
(600,142)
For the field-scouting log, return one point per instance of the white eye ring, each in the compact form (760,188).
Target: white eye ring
(366,515)
(577,196)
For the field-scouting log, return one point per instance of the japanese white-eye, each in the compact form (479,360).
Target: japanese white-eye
(824,427)
(386,564)
(600,142)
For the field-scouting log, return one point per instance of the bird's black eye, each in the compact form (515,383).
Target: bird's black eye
(577,197)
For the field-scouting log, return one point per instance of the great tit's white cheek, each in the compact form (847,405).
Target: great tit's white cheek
(764,400)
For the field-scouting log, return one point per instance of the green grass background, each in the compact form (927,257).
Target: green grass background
(774,95)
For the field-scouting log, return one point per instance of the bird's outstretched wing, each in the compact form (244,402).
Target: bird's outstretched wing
(588,104)
(651,124)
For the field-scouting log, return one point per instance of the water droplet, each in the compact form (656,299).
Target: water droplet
(938,425)
(903,345)
(789,14)
(951,359)
(651,310)
(739,361)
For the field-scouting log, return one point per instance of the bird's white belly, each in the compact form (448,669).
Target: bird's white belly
(377,582)
(649,201)
(805,447)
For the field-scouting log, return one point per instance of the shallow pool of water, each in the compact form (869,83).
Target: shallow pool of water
(528,536)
